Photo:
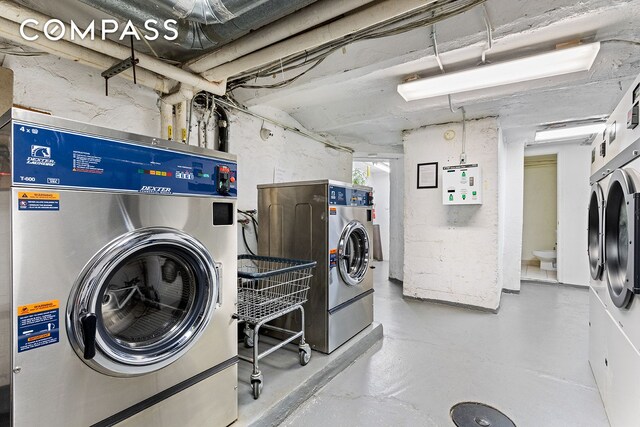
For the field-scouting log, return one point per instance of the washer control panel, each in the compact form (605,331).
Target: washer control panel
(45,156)
(344,196)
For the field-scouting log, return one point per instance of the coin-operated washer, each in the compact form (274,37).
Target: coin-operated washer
(329,222)
(117,278)
(614,257)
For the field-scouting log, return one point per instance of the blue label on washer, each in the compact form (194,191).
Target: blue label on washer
(348,196)
(60,158)
(38,205)
(38,325)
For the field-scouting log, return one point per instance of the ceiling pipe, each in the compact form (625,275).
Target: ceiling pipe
(286,27)
(360,20)
(18,14)
(11,31)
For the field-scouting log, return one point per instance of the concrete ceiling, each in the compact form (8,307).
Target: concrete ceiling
(352,95)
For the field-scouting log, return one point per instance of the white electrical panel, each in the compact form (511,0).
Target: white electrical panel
(462,185)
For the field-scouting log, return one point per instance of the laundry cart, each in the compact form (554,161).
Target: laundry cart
(267,289)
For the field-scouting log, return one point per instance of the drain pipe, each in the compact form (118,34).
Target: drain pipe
(11,31)
(18,14)
(179,100)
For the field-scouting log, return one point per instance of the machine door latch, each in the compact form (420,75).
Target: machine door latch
(88,322)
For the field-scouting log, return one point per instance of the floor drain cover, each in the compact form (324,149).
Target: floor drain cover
(472,414)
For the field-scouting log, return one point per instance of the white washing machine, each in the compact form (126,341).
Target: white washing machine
(614,256)
(117,278)
(329,222)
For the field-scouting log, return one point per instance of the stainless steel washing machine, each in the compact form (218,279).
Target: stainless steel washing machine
(117,278)
(614,256)
(329,222)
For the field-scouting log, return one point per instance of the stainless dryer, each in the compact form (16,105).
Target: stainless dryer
(117,278)
(329,222)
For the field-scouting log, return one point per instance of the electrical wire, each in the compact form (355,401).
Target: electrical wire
(436,11)
(250,219)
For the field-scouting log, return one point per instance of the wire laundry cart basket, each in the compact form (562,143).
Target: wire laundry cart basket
(267,289)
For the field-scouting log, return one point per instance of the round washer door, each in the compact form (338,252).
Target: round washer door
(142,301)
(595,234)
(353,253)
(619,232)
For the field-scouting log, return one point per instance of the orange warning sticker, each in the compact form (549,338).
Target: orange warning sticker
(38,337)
(29,195)
(38,307)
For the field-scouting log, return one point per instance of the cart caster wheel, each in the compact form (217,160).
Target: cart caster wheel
(305,354)
(304,357)
(248,341)
(257,388)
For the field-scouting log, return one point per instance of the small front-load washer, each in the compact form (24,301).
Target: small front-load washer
(117,278)
(329,222)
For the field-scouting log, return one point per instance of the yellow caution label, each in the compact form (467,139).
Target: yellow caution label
(29,195)
(38,307)
(170,131)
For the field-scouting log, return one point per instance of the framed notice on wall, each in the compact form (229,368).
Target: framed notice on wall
(428,175)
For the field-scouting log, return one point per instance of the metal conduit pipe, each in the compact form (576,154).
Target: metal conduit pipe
(179,100)
(18,14)
(11,31)
(375,14)
(309,17)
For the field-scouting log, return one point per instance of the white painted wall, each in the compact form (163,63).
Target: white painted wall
(452,252)
(381,186)
(396,218)
(540,206)
(73,91)
(282,158)
(573,198)
(511,213)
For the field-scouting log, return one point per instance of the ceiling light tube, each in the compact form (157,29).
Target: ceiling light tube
(556,63)
(569,132)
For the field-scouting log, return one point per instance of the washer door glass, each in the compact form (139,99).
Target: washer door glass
(353,253)
(149,295)
(595,234)
(618,242)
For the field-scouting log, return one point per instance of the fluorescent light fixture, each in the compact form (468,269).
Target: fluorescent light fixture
(569,132)
(558,62)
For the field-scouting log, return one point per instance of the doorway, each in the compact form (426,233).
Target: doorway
(540,219)
(376,175)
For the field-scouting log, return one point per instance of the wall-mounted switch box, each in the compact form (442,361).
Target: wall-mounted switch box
(462,185)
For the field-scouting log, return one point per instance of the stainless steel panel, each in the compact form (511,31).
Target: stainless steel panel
(50,250)
(349,320)
(6,339)
(213,401)
(294,219)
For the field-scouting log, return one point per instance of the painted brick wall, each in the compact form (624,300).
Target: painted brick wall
(451,252)
(74,91)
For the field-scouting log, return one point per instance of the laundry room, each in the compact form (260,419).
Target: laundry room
(319,212)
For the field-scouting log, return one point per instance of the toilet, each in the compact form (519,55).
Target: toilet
(547,259)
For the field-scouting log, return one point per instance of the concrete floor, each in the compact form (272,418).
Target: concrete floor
(529,361)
